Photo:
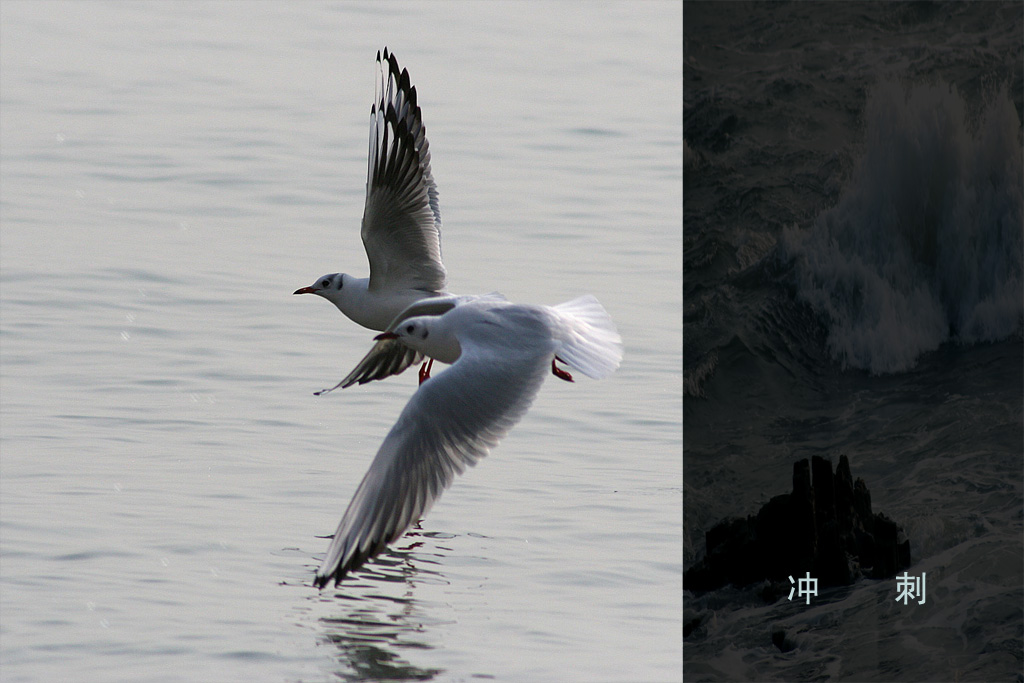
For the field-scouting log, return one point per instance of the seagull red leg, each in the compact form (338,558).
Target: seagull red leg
(558,372)
(425,370)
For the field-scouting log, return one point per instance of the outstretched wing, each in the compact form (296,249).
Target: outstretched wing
(390,357)
(451,422)
(401,219)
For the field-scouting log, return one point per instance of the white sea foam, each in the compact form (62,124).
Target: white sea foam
(925,243)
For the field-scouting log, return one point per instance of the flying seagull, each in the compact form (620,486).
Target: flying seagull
(401,228)
(500,354)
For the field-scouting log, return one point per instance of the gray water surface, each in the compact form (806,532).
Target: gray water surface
(170,173)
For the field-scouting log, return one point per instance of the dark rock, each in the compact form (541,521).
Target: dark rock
(770,528)
(824,494)
(825,527)
(802,516)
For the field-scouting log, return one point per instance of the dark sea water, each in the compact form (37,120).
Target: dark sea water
(853,285)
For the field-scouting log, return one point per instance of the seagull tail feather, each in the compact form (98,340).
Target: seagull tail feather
(587,338)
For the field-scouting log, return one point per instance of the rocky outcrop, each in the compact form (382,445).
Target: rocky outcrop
(825,527)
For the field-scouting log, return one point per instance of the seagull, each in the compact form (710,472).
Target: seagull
(401,228)
(390,355)
(500,354)
(401,233)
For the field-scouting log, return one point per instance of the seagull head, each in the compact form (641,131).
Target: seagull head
(428,334)
(324,285)
(414,332)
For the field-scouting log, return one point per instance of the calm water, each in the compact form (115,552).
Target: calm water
(170,173)
(853,277)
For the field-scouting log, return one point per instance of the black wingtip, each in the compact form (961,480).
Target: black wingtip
(404,82)
(393,64)
(321,581)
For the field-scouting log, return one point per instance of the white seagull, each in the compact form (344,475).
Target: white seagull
(401,233)
(391,356)
(401,228)
(501,353)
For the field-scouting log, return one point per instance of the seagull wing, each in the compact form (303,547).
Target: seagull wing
(401,219)
(451,422)
(390,357)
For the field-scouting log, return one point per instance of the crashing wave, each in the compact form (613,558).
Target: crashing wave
(925,243)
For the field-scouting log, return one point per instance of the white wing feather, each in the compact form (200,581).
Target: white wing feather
(451,422)
(390,357)
(587,338)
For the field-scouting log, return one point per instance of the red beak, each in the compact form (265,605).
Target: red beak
(305,290)
(385,335)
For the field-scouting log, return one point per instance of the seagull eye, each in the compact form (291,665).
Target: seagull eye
(325,283)
(409,328)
